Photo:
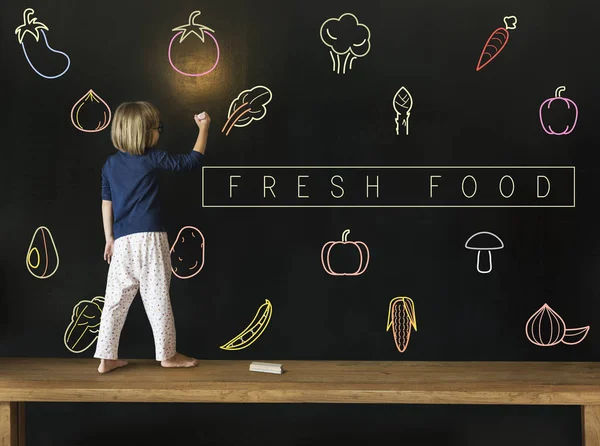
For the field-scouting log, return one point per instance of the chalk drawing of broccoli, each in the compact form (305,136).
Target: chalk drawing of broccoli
(345,36)
(250,105)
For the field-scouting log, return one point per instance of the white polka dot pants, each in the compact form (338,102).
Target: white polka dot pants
(140,261)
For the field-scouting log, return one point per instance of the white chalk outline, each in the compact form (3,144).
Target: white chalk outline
(349,50)
(404,109)
(489,250)
(32,248)
(204,205)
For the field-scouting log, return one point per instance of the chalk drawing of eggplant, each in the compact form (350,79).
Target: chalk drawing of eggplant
(34,28)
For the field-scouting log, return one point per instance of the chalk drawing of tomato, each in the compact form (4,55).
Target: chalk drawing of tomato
(546,115)
(197,31)
(92,112)
(34,28)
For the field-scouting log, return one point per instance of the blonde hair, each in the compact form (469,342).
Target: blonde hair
(131,126)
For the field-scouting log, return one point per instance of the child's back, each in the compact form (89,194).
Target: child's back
(137,246)
(131,183)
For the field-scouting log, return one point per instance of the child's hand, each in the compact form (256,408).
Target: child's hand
(108,250)
(202,120)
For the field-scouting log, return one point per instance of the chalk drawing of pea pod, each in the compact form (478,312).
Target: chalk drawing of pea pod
(92,111)
(34,29)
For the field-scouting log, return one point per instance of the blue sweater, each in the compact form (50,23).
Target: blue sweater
(131,183)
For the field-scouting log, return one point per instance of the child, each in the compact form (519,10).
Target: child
(137,247)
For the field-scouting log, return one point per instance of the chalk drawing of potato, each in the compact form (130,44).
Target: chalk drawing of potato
(187,253)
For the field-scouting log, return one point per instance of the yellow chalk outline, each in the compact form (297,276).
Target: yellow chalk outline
(38,258)
(75,323)
(409,308)
(92,95)
(191,27)
(31,248)
(265,310)
(23,29)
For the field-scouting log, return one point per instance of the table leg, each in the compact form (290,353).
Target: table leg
(21,420)
(590,425)
(12,424)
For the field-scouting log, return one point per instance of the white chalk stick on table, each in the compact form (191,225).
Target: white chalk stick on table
(266,367)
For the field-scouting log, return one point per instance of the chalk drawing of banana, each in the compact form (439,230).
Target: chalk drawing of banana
(253,331)
(402,319)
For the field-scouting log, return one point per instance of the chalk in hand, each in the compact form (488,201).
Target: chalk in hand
(200,116)
(266,367)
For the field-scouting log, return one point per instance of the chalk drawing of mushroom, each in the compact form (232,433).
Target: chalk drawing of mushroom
(250,105)
(484,242)
(345,36)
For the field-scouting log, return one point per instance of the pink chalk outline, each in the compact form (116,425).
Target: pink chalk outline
(558,329)
(199,30)
(557,95)
(325,259)
(183,241)
(75,114)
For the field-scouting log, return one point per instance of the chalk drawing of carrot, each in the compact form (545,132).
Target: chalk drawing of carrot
(496,42)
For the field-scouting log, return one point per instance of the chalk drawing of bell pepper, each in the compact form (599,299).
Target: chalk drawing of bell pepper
(34,28)
(197,31)
(496,42)
(90,108)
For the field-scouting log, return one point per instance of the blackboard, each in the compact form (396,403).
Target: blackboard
(465,124)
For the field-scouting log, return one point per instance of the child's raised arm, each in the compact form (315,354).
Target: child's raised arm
(186,161)
(203,123)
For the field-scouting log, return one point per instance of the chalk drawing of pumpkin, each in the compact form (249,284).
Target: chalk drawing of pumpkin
(350,246)
(28,34)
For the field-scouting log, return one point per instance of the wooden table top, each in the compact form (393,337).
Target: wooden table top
(230,381)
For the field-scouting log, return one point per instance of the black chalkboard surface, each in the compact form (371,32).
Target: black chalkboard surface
(355,149)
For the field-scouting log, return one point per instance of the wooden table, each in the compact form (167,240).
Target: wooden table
(395,382)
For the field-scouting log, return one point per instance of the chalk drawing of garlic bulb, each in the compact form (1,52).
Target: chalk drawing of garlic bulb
(345,37)
(545,328)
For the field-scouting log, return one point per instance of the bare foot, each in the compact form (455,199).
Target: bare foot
(106,365)
(179,360)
